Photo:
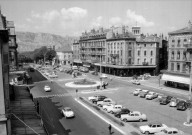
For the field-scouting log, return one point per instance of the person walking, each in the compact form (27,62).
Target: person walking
(109,128)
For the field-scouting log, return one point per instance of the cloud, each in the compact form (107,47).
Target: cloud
(132,17)
(115,21)
(97,22)
(73,13)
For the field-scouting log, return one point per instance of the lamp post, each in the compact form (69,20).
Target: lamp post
(100,73)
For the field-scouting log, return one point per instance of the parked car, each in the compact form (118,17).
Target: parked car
(152,128)
(100,98)
(182,105)
(53,75)
(95,97)
(114,109)
(105,102)
(105,107)
(136,82)
(133,116)
(123,111)
(173,102)
(67,112)
(165,100)
(136,92)
(47,88)
(143,93)
(151,95)
(170,131)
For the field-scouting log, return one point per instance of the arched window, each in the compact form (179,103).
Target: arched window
(151,53)
(138,61)
(172,55)
(145,53)
(151,61)
(144,60)
(138,52)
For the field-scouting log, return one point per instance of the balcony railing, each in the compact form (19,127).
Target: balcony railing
(145,63)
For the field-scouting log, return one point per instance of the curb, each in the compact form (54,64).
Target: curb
(102,112)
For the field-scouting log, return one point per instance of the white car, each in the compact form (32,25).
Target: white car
(173,102)
(136,82)
(67,112)
(105,102)
(136,92)
(134,116)
(105,107)
(93,97)
(151,95)
(170,131)
(103,76)
(53,75)
(114,109)
(47,88)
(152,128)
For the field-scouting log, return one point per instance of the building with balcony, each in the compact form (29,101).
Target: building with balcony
(93,47)
(65,55)
(13,63)
(5,127)
(179,57)
(76,53)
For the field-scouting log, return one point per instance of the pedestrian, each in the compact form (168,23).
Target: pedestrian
(109,128)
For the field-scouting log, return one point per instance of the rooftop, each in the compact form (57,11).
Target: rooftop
(186,30)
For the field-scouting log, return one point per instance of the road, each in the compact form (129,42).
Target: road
(85,122)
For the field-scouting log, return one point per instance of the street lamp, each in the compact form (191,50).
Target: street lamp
(190,44)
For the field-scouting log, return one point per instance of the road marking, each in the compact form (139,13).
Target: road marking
(94,91)
(105,120)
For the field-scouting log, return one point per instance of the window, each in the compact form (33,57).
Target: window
(138,61)
(129,53)
(144,45)
(145,53)
(151,61)
(178,67)
(173,41)
(129,61)
(172,66)
(144,60)
(151,53)
(138,52)
(185,40)
(172,55)
(178,55)
(121,52)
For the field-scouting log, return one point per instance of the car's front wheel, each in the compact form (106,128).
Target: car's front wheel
(125,120)
(147,133)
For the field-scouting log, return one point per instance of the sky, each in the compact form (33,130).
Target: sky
(72,17)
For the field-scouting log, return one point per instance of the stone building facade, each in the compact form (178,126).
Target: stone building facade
(179,57)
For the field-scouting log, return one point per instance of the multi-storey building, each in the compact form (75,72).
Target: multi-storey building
(93,47)
(4,77)
(65,55)
(13,63)
(76,53)
(180,57)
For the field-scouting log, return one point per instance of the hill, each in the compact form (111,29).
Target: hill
(28,41)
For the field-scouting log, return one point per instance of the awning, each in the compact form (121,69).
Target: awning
(178,79)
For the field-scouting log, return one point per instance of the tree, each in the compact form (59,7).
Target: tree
(50,55)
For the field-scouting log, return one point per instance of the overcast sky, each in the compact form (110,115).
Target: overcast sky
(72,17)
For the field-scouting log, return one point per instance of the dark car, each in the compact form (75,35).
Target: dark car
(181,105)
(165,100)
(31,69)
(100,98)
(123,111)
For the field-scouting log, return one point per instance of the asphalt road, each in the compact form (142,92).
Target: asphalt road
(85,122)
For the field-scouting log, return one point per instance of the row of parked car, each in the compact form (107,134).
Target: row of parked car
(126,115)
(119,111)
(163,99)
